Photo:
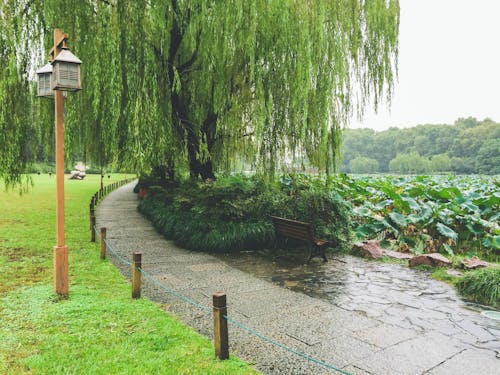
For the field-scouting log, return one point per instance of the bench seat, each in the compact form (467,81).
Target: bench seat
(298,230)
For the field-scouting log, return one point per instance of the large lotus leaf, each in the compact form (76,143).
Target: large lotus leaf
(426,212)
(412,203)
(389,226)
(446,215)
(369,230)
(469,206)
(446,231)
(487,224)
(473,229)
(416,191)
(362,211)
(383,204)
(488,201)
(422,217)
(492,242)
(495,217)
(398,219)
(414,218)
(398,201)
(445,193)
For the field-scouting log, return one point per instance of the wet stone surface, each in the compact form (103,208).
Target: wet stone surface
(363,317)
(404,298)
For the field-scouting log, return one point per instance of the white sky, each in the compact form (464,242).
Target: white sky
(449,64)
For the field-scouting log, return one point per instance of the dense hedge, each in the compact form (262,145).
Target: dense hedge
(233,213)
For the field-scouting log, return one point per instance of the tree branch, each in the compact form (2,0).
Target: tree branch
(184,67)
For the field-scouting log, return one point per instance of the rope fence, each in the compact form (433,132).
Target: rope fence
(219,308)
(97,198)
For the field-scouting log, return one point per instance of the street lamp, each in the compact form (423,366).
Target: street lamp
(44,81)
(62,74)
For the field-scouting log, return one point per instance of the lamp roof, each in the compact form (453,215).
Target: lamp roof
(66,56)
(45,69)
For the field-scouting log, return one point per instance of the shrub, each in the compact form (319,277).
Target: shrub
(233,213)
(481,286)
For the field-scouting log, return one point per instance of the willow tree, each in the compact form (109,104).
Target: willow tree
(200,85)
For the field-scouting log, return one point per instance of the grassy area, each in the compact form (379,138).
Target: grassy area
(99,329)
(482,286)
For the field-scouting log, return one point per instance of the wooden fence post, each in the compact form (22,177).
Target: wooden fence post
(92,228)
(103,243)
(91,212)
(136,275)
(221,339)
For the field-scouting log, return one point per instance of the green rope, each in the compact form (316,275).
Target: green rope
(122,259)
(174,293)
(291,350)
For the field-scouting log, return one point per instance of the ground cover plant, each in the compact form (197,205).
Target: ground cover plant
(99,329)
(482,286)
(456,215)
(422,214)
(233,212)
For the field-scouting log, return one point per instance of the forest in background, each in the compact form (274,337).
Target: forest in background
(466,147)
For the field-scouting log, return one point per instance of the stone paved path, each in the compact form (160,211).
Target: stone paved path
(359,332)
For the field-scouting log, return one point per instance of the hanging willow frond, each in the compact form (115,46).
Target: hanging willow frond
(182,81)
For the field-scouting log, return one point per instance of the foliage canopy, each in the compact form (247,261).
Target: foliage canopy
(467,146)
(197,84)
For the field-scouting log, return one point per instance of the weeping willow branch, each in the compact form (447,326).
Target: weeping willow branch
(200,84)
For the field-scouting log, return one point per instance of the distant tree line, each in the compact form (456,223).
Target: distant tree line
(467,146)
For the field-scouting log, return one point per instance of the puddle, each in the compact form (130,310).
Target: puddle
(392,293)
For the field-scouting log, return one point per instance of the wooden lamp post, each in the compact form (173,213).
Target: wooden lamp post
(64,76)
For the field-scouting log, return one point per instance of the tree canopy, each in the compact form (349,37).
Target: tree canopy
(197,85)
(467,146)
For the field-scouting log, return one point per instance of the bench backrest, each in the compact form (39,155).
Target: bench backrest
(291,228)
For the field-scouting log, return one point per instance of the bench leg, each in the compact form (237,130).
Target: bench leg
(311,253)
(316,251)
(323,254)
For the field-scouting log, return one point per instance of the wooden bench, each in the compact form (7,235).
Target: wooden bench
(299,230)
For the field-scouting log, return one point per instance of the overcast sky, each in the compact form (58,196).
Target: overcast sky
(449,64)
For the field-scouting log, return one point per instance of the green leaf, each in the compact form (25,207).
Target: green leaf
(362,211)
(383,204)
(399,219)
(448,249)
(412,203)
(492,242)
(446,231)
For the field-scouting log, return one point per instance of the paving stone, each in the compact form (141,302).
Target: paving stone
(475,330)
(412,356)
(470,361)
(385,335)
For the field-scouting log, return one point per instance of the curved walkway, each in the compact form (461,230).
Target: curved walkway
(350,339)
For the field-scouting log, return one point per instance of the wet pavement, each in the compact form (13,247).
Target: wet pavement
(362,317)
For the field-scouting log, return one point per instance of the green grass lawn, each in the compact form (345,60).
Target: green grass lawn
(99,329)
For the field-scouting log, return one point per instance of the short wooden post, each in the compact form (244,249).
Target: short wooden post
(221,339)
(92,228)
(103,243)
(136,275)
(91,212)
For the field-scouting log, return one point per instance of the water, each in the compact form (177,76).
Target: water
(389,292)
